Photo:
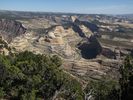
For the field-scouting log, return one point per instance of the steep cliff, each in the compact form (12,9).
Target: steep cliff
(92,27)
(10,29)
(89,47)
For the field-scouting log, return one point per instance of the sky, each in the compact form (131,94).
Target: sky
(70,6)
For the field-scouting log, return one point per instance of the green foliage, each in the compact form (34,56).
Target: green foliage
(101,90)
(57,60)
(32,77)
(4,65)
(2,93)
(14,49)
(29,76)
(125,92)
(72,89)
(126,82)
(3,53)
(3,44)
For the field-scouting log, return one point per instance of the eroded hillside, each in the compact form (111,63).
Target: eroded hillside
(91,46)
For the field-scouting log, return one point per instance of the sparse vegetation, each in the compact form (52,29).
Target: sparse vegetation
(13,17)
(100,90)
(3,44)
(116,34)
(116,43)
(128,31)
(70,24)
(101,23)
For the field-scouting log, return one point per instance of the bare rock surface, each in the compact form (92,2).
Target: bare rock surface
(63,42)
(85,68)
(10,29)
(74,38)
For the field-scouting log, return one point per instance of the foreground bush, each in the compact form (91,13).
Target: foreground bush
(32,77)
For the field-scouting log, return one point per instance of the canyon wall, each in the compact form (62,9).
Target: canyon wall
(10,29)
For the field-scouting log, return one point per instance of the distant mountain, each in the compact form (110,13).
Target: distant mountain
(126,16)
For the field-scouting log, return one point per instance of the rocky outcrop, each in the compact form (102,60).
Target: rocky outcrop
(58,20)
(85,68)
(90,48)
(108,28)
(77,29)
(19,43)
(4,51)
(92,27)
(54,36)
(54,39)
(88,33)
(114,52)
(62,41)
(111,63)
(10,29)
(75,42)
(95,45)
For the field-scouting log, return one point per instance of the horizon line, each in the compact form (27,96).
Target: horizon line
(62,12)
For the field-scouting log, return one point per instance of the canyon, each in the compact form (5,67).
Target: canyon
(91,46)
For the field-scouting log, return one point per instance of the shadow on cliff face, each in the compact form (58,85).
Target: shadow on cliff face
(78,30)
(131,54)
(89,48)
(91,26)
(89,54)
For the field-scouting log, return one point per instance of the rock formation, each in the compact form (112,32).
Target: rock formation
(75,38)
(10,29)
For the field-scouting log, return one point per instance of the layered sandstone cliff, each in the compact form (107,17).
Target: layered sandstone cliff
(10,29)
(76,42)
